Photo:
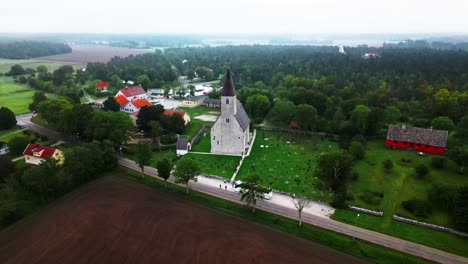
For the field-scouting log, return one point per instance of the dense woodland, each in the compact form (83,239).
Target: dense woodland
(31,49)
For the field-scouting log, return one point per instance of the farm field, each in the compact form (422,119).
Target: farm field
(219,165)
(123,221)
(16,97)
(399,185)
(287,164)
(85,54)
(5,64)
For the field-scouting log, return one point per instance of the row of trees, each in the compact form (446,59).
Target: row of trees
(31,49)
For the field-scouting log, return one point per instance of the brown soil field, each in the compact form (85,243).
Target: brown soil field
(85,54)
(114,220)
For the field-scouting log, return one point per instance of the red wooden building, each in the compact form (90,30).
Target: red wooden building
(426,140)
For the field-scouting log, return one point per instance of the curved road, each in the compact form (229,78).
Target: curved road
(425,252)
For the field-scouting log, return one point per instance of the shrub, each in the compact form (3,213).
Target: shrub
(372,198)
(417,207)
(406,160)
(388,165)
(438,162)
(354,176)
(357,150)
(349,197)
(168,139)
(421,170)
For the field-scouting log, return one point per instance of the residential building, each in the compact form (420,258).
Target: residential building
(35,154)
(4,149)
(426,140)
(184,115)
(193,101)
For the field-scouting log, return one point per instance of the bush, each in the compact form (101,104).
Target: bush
(354,176)
(372,198)
(168,139)
(438,162)
(17,145)
(421,170)
(417,207)
(388,165)
(349,197)
(357,150)
(406,160)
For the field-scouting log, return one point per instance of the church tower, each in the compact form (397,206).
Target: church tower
(230,133)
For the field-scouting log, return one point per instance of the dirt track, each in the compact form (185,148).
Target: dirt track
(117,221)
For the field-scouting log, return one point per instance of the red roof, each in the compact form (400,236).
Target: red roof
(102,85)
(171,112)
(132,91)
(122,100)
(140,103)
(37,151)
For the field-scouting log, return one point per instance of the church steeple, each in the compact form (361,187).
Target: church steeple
(228,87)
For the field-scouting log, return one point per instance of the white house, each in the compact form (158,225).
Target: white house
(131,99)
(183,146)
(194,101)
(132,93)
(230,133)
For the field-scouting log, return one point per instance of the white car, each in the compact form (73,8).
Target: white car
(266,196)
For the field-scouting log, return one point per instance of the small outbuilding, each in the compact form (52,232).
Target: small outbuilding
(4,149)
(183,146)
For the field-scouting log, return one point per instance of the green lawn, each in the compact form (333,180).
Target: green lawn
(219,165)
(195,124)
(286,163)
(6,135)
(399,185)
(16,97)
(204,145)
(156,156)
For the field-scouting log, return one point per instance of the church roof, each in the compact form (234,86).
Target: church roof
(242,116)
(182,143)
(228,87)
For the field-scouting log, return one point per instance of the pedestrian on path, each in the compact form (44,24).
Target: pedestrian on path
(225,187)
(220,186)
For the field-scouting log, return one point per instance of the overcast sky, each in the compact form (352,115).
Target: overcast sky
(236,16)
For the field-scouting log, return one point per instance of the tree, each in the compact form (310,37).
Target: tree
(300,203)
(443,123)
(42,180)
(144,81)
(388,165)
(359,119)
(111,104)
(305,116)
(462,129)
(147,114)
(191,89)
(113,126)
(356,149)
(190,74)
(282,111)
(186,170)
(7,167)
(17,145)
(257,106)
(174,123)
(7,118)
(251,189)
(392,115)
(461,209)
(334,168)
(143,156)
(421,170)
(459,154)
(38,98)
(156,131)
(16,70)
(52,109)
(164,169)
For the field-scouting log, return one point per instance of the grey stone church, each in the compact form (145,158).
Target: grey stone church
(230,133)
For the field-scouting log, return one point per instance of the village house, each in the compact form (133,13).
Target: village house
(230,133)
(102,86)
(193,101)
(214,103)
(425,140)
(4,149)
(132,99)
(35,154)
(183,146)
(184,115)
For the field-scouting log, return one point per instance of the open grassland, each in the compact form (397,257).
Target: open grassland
(16,97)
(219,165)
(286,162)
(204,144)
(95,53)
(398,185)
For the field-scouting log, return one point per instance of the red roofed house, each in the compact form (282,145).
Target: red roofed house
(426,140)
(184,115)
(131,99)
(102,86)
(35,154)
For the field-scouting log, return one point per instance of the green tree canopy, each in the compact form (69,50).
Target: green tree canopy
(111,104)
(143,155)
(443,123)
(186,170)
(164,169)
(305,116)
(359,119)
(251,189)
(113,126)
(7,118)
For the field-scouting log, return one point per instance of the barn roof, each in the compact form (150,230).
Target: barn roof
(102,85)
(228,87)
(242,116)
(426,136)
(170,112)
(132,91)
(182,143)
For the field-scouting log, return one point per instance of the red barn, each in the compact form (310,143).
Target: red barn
(426,140)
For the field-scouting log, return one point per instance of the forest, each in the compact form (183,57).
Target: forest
(31,49)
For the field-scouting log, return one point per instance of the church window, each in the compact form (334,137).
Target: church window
(217,142)
(214,137)
(227,101)
(227,120)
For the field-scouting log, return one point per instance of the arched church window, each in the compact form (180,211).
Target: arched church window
(227,101)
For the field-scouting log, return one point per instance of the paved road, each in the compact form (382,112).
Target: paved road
(24,120)
(364,234)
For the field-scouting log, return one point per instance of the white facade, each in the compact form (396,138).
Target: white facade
(129,108)
(4,149)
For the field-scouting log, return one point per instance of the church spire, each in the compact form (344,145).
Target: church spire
(228,87)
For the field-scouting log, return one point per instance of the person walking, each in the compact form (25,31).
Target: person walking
(220,186)
(225,187)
